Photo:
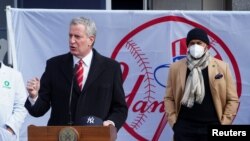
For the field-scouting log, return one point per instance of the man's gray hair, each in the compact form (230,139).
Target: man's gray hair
(89,24)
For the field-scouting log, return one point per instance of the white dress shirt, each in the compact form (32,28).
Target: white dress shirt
(86,65)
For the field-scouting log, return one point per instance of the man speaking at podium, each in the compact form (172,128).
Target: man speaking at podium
(79,83)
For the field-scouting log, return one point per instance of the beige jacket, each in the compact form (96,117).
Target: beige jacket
(223,90)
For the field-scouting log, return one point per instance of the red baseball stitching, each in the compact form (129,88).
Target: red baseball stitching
(143,63)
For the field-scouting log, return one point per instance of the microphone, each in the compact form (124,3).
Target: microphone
(70,95)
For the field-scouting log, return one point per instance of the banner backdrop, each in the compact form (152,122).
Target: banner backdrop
(145,43)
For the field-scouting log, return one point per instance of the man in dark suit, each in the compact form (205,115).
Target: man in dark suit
(100,93)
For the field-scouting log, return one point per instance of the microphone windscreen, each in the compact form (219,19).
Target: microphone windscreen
(91,120)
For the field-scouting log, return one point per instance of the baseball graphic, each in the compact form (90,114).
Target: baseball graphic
(145,79)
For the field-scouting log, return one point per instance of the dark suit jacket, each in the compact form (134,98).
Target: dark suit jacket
(102,96)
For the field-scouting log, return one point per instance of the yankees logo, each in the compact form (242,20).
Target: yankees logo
(145,68)
(91,120)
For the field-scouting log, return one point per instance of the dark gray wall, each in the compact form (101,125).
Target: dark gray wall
(234,5)
(63,4)
(127,4)
(3,4)
(3,30)
(240,5)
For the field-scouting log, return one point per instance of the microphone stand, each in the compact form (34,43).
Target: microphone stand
(70,96)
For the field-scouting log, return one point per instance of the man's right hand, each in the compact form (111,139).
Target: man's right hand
(33,87)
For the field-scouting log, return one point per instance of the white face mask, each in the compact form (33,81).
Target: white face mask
(196,50)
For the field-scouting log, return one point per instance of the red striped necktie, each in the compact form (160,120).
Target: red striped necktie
(79,73)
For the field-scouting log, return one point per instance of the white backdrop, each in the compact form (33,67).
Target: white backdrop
(145,43)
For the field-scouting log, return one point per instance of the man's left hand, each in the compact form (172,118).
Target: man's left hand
(108,122)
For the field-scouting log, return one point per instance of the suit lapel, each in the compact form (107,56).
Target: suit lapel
(66,70)
(212,71)
(182,74)
(97,66)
